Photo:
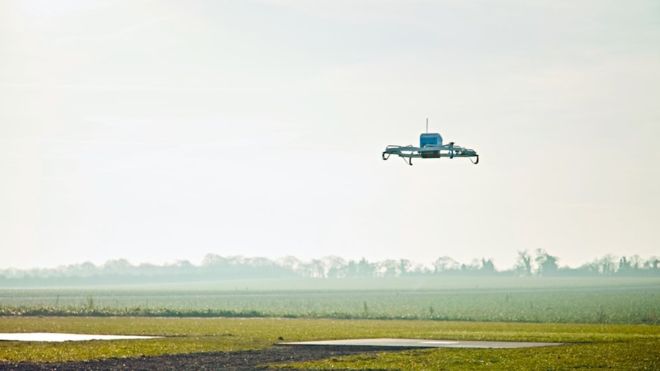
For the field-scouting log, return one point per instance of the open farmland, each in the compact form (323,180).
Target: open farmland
(476,299)
(605,323)
(588,345)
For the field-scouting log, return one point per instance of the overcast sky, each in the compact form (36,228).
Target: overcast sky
(165,130)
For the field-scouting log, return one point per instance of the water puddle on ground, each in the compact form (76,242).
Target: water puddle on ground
(421,343)
(59,337)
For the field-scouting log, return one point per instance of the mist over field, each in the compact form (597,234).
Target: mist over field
(217,268)
(536,289)
(221,181)
(161,130)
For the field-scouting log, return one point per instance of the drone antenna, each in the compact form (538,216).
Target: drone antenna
(427,124)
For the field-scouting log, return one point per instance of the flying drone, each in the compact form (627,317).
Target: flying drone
(430,146)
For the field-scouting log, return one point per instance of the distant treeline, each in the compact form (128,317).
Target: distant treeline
(214,267)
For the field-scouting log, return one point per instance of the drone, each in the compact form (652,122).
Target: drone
(430,146)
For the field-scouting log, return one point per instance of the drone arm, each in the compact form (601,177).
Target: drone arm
(456,151)
(450,150)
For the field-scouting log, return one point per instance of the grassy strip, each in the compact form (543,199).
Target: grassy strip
(622,355)
(91,311)
(187,335)
(76,311)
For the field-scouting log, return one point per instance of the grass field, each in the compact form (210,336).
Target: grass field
(591,346)
(633,355)
(616,300)
(605,323)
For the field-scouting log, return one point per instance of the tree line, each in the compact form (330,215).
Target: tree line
(535,263)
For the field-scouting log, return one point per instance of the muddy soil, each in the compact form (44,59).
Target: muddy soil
(243,360)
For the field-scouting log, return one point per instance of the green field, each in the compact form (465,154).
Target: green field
(605,322)
(560,300)
(590,346)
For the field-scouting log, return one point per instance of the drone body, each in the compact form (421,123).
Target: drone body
(430,146)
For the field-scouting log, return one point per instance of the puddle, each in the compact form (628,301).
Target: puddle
(440,342)
(59,337)
(420,343)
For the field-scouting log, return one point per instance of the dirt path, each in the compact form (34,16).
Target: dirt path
(243,360)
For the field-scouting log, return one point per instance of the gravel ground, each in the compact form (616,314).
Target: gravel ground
(243,360)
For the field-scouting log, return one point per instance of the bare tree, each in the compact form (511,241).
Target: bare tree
(445,264)
(524,263)
(487,266)
(547,264)
(387,268)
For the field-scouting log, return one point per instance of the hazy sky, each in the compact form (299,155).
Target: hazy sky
(164,130)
